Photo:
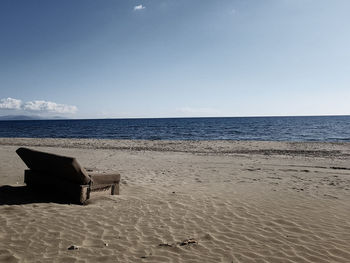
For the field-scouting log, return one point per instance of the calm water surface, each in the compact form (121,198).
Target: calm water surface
(325,128)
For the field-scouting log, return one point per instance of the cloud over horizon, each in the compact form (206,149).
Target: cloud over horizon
(10,104)
(190,111)
(38,106)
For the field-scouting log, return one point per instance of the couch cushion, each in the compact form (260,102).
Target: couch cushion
(104,178)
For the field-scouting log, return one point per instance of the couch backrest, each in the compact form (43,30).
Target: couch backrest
(54,165)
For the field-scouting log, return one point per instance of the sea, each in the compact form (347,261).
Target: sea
(306,128)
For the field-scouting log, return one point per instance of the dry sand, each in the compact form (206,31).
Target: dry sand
(240,202)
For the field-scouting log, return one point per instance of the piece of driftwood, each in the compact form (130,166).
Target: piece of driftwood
(64,178)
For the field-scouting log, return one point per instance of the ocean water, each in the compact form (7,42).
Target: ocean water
(322,128)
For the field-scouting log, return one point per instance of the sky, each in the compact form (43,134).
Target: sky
(174,58)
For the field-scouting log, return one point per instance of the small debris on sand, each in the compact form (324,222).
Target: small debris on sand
(187,242)
(73,247)
(165,245)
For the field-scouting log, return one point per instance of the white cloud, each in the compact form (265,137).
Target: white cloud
(39,106)
(48,106)
(139,7)
(10,104)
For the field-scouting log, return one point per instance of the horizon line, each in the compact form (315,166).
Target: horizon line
(176,117)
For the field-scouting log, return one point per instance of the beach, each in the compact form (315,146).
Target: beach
(187,201)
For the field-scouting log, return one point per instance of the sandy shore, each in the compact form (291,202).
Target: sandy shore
(240,202)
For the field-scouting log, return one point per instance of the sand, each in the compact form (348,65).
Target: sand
(237,201)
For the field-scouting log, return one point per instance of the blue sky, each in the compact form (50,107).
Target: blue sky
(167,58)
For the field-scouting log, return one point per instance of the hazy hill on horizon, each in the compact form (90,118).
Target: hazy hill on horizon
(28,117)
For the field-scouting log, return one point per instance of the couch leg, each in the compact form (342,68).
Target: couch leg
(115,189)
